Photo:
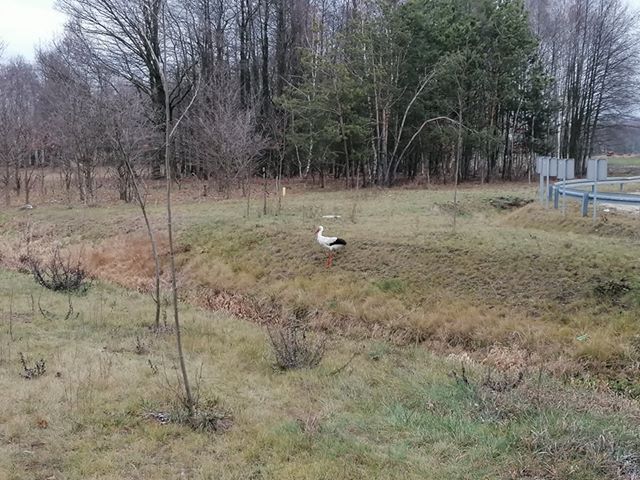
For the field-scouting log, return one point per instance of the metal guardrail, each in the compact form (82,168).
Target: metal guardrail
(575,189)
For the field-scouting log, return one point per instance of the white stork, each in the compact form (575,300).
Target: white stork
(333,244)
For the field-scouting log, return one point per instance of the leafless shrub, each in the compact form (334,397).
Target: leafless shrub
(59,275)
(495,398)
(36,371)
(140,347)
(294,348)
(503,384)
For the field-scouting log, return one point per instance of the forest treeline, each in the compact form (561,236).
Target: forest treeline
(367,92)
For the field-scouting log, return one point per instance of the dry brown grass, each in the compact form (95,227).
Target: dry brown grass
(126,260)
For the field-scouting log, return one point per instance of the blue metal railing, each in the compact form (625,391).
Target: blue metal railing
(575,189)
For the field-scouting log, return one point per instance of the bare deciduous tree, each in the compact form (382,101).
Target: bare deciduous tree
(73,98)
(591,48)
(19,93)
(125,37)
(130,137)
(226,136)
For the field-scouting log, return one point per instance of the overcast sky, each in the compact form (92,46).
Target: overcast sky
(25,24)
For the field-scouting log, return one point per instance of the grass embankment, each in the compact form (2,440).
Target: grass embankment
(557,289)
(392,412)
(532,279)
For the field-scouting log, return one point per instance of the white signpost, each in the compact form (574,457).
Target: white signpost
(596,171)
(540,163)
(566,171)
(546,167)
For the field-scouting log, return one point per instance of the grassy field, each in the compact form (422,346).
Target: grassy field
(393,411)
(625,161)
(624,166)
(523,291)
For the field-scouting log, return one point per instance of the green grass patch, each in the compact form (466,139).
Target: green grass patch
(390,411)
(624,161)
(391,285)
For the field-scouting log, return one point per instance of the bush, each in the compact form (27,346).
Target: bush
(59,275)
(294,348)
(36,371)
